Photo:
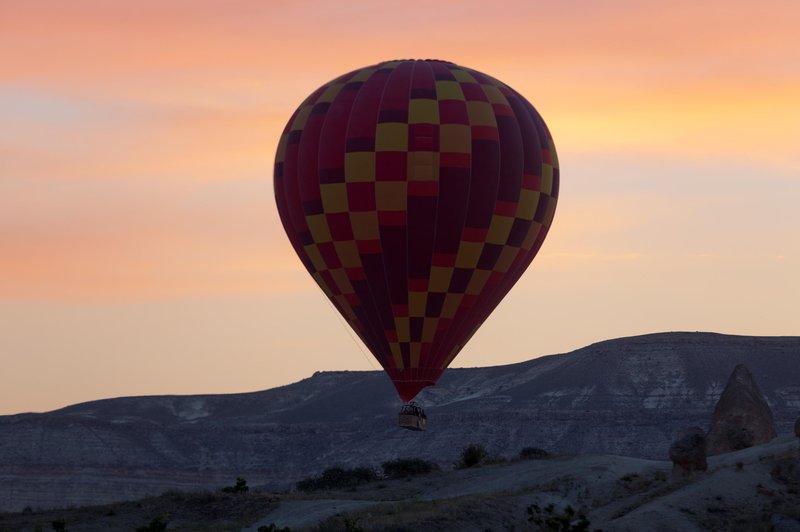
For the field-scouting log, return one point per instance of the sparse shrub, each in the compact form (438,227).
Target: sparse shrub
(307,484)
(342,523)
(407,467)
(338,478)
(156,525)
(787,472)
(272,527)
(351,525)
(59,525)
(471,456)
(533,453)
(660,476)
(548,519)
(633,483)
(239,487)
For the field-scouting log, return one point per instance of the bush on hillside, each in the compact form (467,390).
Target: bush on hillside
(338,478)
(549,519)
(407,467)
(156,525)
(239,487)
(471,456)
(533,453)
(272,527)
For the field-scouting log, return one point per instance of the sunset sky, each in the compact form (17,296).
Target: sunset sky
(140,247)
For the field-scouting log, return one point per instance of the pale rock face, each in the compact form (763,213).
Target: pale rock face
(742,417)
(625,397)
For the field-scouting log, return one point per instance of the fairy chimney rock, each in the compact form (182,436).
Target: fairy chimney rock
(742,417)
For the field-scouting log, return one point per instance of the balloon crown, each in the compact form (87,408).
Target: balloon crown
(426,60)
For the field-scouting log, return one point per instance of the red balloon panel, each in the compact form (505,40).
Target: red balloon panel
(416,193)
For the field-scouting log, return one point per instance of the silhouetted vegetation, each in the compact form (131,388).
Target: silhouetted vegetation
(343,523)
(786,471)
(203,511)
(272,527)
(549,519)
(156,525)
(338,478)
(351,525)
(638,483)
(239,487)
(407,467)
(533,453)
(471,456)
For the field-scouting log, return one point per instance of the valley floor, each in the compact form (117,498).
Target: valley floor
(753,489)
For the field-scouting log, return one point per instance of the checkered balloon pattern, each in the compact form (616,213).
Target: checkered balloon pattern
(416,193)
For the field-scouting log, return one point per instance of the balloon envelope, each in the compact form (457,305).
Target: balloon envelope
(416,193)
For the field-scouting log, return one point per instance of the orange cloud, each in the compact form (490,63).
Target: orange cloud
(142,267)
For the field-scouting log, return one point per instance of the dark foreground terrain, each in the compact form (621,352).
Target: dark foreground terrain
(627,397)
(750,490)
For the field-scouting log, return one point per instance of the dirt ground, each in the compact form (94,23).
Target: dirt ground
(754,489)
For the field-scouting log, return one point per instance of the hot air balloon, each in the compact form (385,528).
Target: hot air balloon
(416,193)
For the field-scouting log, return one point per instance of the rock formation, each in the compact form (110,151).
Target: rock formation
(742,417)
(797,428)
(688,452)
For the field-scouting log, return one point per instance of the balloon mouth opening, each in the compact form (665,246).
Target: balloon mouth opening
(408,390)
(410,381)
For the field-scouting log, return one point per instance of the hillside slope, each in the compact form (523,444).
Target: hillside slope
(753,489)
(625,397)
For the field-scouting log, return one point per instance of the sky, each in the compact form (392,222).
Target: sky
(141,251)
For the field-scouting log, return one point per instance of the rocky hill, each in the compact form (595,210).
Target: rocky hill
(748,490)
(625,397)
